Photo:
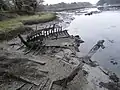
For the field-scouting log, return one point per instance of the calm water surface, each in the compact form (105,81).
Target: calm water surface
(105,25)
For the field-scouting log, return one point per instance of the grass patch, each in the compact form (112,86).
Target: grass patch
(39,18)
(14,26)
(8,25)
(42,16)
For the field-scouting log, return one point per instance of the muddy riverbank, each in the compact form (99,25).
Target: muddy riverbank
(51,67)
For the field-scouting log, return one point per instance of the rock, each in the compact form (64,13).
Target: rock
(85,72)
(88,14)
(110,85)
(114,62)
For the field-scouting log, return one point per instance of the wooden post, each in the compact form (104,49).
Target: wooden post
(46,32)
(56,30)
(36,27)
(66,33)
(53,26)
(53,30)
(61,28)
(41,32)
(23,41)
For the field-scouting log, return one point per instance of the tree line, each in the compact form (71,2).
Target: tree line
(20,5)
(102,2)
(63,5)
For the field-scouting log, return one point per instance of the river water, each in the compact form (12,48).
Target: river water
(105,25)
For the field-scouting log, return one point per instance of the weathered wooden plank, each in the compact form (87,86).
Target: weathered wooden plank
(24,70)
(40,50)
(29,76)
(36,49)
(48,85)
(30,49)
(27,87)
(42,85)
(20,47)
(38,61)
(11,85)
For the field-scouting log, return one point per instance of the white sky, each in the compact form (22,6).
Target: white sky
(69,1)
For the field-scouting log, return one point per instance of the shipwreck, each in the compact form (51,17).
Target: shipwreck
(57,66)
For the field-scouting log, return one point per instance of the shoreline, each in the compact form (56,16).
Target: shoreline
(60,64)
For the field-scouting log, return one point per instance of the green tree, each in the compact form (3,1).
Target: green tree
(20,5)
(3,5)
(27,5)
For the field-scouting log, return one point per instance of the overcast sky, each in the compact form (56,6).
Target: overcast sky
(69,1)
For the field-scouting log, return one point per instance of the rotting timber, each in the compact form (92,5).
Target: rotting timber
(53,69)
(57,68)
(38,40)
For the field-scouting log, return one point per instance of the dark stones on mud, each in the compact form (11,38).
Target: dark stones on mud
(114,77)
(78,41)
(113,85)
(114,62)
(88,14)
(85,73)
(110,85)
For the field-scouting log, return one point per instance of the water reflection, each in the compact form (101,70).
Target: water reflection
(105,25)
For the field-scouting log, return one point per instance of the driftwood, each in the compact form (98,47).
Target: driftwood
(95,48)
(15,59)
(87,59)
